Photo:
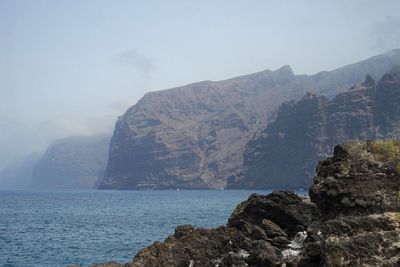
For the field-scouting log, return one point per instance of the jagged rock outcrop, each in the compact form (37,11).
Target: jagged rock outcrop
(304,132)
(374,170)
(74,162)
(194,136)
(357,192)
(283,229)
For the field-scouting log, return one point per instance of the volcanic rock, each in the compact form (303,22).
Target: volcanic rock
(372,167)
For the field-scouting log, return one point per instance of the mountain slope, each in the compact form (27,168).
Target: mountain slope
(194,136)
(312,126)
(74,162)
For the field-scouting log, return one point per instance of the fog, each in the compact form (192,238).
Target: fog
(71,67)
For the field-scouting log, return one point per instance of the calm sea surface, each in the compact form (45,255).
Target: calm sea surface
(58,228)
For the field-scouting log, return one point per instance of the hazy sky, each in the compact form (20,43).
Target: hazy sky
(71,67)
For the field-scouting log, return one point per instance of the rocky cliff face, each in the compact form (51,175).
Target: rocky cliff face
(304,132)
(75,162)
(352,219)
(194,136)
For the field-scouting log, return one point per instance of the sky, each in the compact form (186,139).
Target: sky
(71,67)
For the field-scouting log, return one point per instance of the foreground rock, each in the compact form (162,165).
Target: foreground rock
(361,178)
(352,220)
(258,232)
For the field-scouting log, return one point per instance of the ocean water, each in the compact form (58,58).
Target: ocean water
(59,228)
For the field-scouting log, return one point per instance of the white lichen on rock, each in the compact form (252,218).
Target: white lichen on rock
(295,246)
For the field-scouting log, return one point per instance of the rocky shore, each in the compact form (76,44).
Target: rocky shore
(350,219)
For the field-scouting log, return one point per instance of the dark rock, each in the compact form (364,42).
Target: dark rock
(264,254)
(288,213)
(111,264)
(354,242)
(375,183)
(339,152)
(271,229)
(202,247)
(312,254)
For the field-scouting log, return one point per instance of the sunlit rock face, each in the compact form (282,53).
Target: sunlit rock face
(194,136)
(287,151)
(75,162)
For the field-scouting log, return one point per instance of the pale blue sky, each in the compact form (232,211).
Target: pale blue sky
(70,67)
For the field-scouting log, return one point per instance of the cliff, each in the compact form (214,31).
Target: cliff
(304,132)
(74,162)
(194,136)
(351,219)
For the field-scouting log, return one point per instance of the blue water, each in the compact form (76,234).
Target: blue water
(58,228)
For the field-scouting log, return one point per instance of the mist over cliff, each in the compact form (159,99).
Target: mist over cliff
(74,162)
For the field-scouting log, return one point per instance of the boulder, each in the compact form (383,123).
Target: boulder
(281,213)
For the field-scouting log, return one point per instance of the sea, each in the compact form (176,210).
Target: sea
(70,227)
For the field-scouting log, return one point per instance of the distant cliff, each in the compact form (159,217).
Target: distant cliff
(194,136)
(286,153)
(74,162)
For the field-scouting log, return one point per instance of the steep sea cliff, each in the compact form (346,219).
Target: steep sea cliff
(194,136)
